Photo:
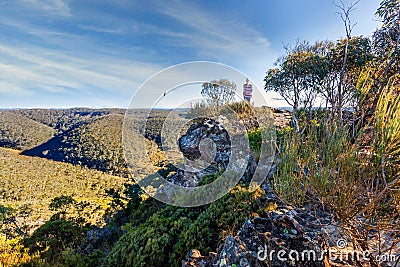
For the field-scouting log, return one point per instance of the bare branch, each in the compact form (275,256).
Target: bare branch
(344,13)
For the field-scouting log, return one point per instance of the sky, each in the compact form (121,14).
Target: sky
(98,53)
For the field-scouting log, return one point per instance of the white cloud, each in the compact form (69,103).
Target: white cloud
(210,32)
(66,62)
(101,30)
(54,7)
(34,70)
(7,86)
(216,36)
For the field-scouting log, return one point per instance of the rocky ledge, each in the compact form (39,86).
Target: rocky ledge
(290,236)
(286,237)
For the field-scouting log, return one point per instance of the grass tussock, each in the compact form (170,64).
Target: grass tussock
(357,182)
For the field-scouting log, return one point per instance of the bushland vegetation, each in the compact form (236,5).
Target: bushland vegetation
(342,158)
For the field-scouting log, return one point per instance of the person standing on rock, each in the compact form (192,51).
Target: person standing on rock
(247,90)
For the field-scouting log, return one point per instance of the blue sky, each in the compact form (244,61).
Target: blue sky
(95,53)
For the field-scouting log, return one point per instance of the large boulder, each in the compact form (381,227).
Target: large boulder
(206,146)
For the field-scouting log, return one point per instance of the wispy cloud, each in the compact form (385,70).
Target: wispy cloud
(211,33)
(7,86)
(54,7)
(101,30)
(34,69)
(217,36)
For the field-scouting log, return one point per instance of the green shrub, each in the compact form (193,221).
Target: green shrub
(166,237)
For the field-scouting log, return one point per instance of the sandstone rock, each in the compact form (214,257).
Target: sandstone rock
(195,259)
(269,242)
(207,149)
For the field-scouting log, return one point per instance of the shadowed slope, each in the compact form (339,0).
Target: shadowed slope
(96,144)
(20,132)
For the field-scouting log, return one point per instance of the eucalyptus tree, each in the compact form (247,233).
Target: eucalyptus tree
(296,78)
(344,12)
(339,84)
(386,40)
(219,92)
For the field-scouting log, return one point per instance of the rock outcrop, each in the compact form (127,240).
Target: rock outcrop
(210,137)
(286,237)
(206,147)
(295,237)
(197,145)
(282,117)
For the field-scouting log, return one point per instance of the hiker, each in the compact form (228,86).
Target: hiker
(247,90)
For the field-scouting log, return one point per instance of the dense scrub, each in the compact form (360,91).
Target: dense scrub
(20,132)
(63,119)
(96,144)
(161,236)
(31,182)
(27,187)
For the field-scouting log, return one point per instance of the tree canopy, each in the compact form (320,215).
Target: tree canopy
(219,92)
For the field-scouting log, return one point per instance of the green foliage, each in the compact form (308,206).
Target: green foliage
(388,11)
(27,184)
(165,237)
(12,253)
(386,39)
(219,92)
(387,125)
(308,71)
(255,142)
(209,178)
(61,202)
(64,230)
(359,54)
(13,221)
(70,258)
(297,77)
(309,163)
(20,132)
(54,237)
(294,76)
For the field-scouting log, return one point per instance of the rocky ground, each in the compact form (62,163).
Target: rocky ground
(282,117)
(287,236)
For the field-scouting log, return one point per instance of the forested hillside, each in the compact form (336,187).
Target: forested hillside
(330,184)
(34,190)
(20,132)
(95,144)
(63,119)
(32,182)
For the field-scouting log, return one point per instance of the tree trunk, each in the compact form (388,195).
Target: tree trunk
(295,119)
(340,87)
